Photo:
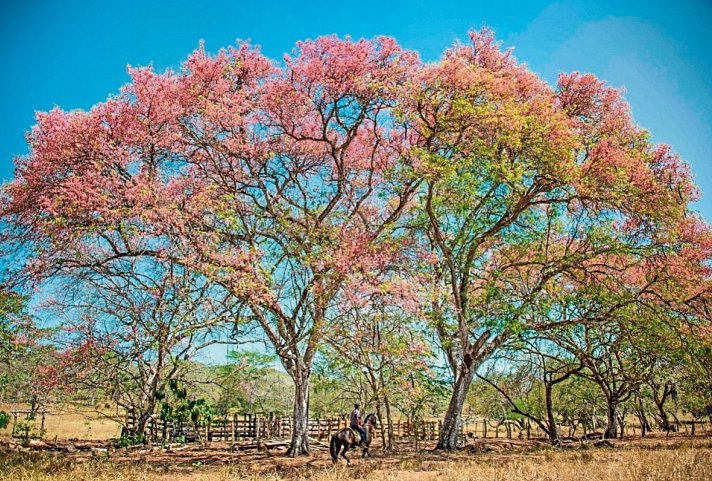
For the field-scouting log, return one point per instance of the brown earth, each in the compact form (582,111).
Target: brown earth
(653,457)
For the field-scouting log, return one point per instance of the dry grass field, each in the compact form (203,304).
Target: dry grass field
(675,458)
(69,422)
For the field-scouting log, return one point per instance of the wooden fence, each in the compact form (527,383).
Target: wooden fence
(486,428)
(246,427)
(235,428)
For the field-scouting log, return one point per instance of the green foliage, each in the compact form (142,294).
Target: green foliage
(129,440)
(695,380)
(179,407)
(26,351)
(578,398)
(332,388)
(4,419)
(11,306)
(26,427)
(424,394)
(250,383)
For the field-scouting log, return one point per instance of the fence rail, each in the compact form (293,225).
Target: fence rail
(253,428)
(235,428)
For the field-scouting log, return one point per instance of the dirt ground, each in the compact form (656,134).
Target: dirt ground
(218,461)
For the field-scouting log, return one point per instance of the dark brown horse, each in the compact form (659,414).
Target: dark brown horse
(346,438)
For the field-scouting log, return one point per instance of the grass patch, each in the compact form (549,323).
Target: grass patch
(688,460)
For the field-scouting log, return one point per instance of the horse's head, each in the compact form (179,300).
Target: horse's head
(371,420)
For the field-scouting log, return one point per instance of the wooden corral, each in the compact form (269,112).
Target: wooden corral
(256,428)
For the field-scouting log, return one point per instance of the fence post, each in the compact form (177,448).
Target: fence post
(42,428)
(415,433)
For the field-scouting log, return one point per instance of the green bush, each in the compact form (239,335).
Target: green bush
(4,419)
(129,440)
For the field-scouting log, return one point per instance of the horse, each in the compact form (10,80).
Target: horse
(347,438)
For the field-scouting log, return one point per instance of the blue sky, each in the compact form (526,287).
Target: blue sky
(73,54)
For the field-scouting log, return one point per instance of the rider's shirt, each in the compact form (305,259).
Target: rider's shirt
(355,415)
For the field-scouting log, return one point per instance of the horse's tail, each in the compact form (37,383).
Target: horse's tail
(334,448)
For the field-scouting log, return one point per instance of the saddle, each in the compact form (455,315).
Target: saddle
(357,436)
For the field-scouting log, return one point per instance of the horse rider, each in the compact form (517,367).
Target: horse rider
(355,422)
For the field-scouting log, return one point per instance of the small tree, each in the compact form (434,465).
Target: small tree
(135,325)
(32,369)
(385,347)
(542,365)
(242,381)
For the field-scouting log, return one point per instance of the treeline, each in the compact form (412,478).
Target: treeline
(589,378)
(392,230)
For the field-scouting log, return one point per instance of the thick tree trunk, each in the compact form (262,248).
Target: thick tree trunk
(665,423)
(300,442)
(611,419)
(553,432)
(146,411)
(140,427)
(451,422)
(643,420)
(659,398)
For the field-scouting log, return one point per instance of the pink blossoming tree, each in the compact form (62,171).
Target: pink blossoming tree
(282,185)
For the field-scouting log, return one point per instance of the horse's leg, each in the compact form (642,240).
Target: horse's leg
(343,454)
(366,443)
(334,447)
